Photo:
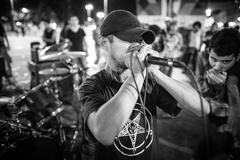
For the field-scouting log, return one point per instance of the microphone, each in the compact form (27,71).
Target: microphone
(162,61)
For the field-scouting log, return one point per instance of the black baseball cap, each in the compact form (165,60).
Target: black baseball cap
(125,25)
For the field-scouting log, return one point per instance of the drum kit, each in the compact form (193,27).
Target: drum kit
(32,126)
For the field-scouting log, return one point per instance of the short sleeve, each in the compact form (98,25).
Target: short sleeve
(83,33)
(91,100)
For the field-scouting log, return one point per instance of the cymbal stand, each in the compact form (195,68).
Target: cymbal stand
(59,119)
(76,80)
(21,128)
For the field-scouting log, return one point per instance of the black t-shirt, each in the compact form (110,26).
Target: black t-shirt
(129,144)
(76,39)
(48,33)
(2,35)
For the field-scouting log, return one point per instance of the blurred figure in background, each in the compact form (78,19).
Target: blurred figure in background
(214,28)
(202,58)
(76,36)
(173,41)
(5,59)
(159,42)
(237,27)
(206,41)
(96,40)
(64,30)
(173,44)
(49,34)
(220,85)
(195,40)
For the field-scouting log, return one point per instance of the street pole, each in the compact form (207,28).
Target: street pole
(12,14)
(170,8)
(105,6)
(88,13)
(164,8)
(12,5)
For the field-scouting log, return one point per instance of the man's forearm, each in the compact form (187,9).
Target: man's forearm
(185,95)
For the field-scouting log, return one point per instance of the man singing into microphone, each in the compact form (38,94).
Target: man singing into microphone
(119,103)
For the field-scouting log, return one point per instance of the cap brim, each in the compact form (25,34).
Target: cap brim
(134,34)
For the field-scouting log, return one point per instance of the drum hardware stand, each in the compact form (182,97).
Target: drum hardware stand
(75,136)
(53,114)
(76,80)
(59,119)
(16,123)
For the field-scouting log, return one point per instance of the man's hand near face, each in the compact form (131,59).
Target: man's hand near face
(216,78)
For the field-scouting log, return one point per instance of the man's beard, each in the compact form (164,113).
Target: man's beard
(119,64)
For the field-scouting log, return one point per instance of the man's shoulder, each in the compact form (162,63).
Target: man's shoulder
(81,29)
(96,78)
(95,83)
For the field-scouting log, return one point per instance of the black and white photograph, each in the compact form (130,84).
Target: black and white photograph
(120,80)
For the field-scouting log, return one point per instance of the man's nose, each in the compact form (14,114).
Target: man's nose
(218,66)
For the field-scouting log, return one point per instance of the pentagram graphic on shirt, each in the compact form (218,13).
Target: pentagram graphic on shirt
(130,140)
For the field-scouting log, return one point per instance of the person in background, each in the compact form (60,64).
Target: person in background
(206,41)
(5,59)
(195,40)
(119,102)
(173,40)
(49,34)
(77,38)
(202,58)
(220,86)
(96,40)
(173,44)
(64,30)
(159,42)
(237,27)
(214,27)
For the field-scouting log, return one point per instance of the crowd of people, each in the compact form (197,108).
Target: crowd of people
(118,104)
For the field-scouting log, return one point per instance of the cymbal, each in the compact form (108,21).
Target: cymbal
(75,54)
(53,49)
(62,55)
(56,56)
(54,71)
(5,100)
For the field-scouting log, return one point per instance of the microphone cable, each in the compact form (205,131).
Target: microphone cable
(197,87)
(140,97)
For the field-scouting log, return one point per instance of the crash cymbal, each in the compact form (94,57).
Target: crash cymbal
(56,56)
(6,100)
(75,54)
(53,49)
(54,71)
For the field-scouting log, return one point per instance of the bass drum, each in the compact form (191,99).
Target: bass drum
(26,147)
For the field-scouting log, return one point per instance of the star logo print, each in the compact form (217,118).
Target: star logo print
(132,129)
(136,135)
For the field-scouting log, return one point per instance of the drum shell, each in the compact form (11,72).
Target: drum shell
(36,105)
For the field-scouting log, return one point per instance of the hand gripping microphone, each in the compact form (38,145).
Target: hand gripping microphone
(162,61)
